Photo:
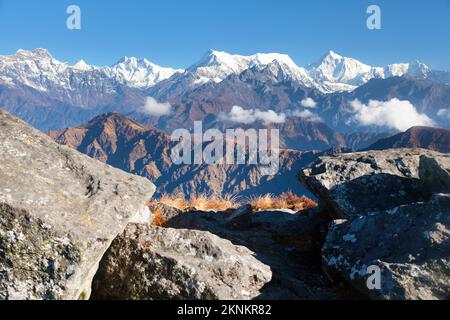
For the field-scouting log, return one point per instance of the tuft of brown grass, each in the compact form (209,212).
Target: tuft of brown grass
(308,203)
(216,203)
(265,202)
(158,219)
(287,200)
(202,202)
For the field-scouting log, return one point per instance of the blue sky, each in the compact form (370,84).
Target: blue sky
(177,33)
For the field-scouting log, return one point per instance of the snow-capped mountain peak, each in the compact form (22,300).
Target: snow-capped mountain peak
(139,72)
(39,53)
(36,69)
(37,57)
(218,58)
(266,58)
(39,70)
(218,65)
(335,68)
(414,68)
(333,72)
(82,66)
(132,62)
(418,68)
(331,55)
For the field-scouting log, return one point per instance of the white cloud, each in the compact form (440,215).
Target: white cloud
(308,103)
(307,115)
(270,116)
(444,113)
(248,116)
(241,115)
(155,108)
(395,114)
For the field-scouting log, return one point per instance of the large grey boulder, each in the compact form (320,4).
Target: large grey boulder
(355,184)
(149,262)
(409,244)
(392,209)
(59,212)
(288,242)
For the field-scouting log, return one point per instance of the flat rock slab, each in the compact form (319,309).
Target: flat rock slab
(359,183)
(410,246)
(148,262)
(59,212)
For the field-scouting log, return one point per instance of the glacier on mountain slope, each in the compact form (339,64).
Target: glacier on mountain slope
(332,73)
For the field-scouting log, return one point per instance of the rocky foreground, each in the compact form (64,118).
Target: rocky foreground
(59,213)
(74,228)
(391,211)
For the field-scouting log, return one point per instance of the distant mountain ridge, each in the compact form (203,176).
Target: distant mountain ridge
(145,151)
(267,88)
(50,94)
(331,73)
(38,69)
(436,139)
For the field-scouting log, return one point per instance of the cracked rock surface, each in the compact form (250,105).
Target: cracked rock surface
(409,244)
(148,262)
(59,212)
(359,183)
(390,237)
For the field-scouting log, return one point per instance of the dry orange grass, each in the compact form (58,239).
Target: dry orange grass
(158,219)
(308,203)
(263,202)
(287,200)
(202,202)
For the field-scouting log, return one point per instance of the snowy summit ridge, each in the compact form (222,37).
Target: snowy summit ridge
(332,73)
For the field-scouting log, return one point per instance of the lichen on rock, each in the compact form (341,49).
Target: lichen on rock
(59,212)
